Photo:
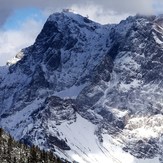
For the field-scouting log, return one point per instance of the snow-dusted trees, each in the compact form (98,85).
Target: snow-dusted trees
(12,151)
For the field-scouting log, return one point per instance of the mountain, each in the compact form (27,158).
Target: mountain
(12,151)
(89,92)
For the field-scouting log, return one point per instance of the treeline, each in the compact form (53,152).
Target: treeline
(12,151)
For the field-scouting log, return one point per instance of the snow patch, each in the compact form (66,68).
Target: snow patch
(72,92)
(86,147)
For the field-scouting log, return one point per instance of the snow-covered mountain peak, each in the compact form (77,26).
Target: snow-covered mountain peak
(67,16)
(103,79)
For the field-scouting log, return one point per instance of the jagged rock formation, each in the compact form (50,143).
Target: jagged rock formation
(82,80)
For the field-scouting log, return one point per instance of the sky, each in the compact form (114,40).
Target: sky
(22,20)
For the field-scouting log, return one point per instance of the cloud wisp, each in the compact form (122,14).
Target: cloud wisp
(119,7)
(97,13)
(12,41)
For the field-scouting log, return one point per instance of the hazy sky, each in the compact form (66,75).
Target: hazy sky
(22,20)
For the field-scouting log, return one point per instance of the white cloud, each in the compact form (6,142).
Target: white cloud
(158,6)
(98,14)
(118,6)
(12,41)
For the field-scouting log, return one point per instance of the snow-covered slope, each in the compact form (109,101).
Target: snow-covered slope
(91,149)
(89,92)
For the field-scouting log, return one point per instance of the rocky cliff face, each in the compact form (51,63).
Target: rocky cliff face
(88,91)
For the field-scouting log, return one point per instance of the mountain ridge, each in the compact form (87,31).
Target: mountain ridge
(79,73)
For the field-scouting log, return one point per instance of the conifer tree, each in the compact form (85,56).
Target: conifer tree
(16,152)
(33,155)
(1,132)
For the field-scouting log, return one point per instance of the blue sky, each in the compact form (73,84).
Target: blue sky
(19,30)
(158,7)
(19,16)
